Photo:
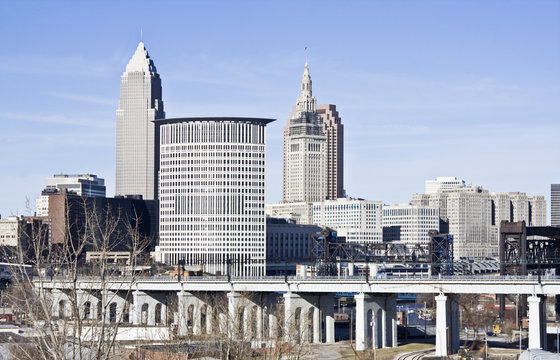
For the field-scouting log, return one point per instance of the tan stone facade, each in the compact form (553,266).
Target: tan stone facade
(334,130)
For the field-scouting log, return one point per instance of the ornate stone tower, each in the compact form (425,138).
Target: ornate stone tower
(304,149)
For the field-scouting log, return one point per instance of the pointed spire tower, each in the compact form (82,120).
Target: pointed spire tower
(304,149)
(137,141)
(306,101)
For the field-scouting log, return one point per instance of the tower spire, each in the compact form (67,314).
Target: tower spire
(306,101)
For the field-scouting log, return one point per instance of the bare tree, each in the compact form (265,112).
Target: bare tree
(75,319)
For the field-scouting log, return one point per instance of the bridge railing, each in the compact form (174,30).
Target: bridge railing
(378,278)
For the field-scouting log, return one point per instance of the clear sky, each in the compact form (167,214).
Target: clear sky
(425,88)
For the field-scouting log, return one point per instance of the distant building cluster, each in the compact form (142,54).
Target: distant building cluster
(196,188)
(471,213)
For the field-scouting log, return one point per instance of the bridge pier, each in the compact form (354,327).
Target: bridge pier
(537,322)
(375,321)
(190,309)
(447,325)
(116,305)
(60,304)
(148,309)
(87,305)
(303,315)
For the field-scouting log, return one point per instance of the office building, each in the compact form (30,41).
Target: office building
(357,220)
(299,212)
(288,244)
(212,194)
(443,183)
(334,131)
(10,231)
(19,235)
(465,212)
(518,206)
(73,218)
(537,210)
(137,149)
(473,215)
(555,205)
(409,223)
(81,184)
(305,152)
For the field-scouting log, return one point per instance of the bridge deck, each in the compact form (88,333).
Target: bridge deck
(529,285)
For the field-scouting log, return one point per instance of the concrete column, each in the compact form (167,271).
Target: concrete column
(441,325)
(164,319)
(57,296)
(304,324)
(317,325)
(259,334)
(534,322)
(209,317)
(134,309)
(289,316)
(327,304)
(394,340)
(384,329)
(151,312)
(246,321)
(223,323)
(362,307)
(272,326)
(181,319)
(391,311)
(453,325)
(233,314)
(197,318)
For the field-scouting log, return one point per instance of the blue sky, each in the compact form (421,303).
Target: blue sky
(425,88)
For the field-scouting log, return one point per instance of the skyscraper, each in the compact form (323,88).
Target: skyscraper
(304,149)
(334,131)
(555,205)
(137,148)
(212,194)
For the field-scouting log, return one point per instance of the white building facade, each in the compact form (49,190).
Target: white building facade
(300,212)
(356,219)
(305,152)
(9,231)
(211,194)
(137,139)
(409,223)
(444,183)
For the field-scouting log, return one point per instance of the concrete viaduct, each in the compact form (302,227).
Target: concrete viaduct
(248,307)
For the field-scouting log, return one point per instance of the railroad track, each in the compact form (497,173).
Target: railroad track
(414,355)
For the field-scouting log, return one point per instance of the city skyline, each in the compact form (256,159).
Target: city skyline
(463,89)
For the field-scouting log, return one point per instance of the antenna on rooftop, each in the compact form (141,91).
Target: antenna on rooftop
(141,35)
